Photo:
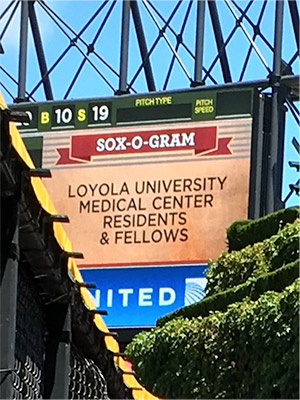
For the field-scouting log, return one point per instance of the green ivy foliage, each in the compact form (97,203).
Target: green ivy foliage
(232,269)
(247,232)
(249,351)
(276,280)
(242,340)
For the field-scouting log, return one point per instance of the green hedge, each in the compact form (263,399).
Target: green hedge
(234,268)
(250,351)
(247,232)
(253,288)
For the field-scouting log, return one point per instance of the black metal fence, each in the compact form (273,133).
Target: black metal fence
(27,379)
(86,378)
(28,373)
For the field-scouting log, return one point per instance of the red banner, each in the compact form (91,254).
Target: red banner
(203,140)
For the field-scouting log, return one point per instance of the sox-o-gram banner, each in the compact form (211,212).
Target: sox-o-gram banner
(150,195)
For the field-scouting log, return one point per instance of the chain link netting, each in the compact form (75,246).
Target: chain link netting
(86,378)
(27,377)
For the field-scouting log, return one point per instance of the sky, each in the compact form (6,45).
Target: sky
(98,77)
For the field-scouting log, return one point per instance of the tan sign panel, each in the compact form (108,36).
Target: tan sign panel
(150,195)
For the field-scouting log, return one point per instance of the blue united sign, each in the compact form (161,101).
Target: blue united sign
(137,297)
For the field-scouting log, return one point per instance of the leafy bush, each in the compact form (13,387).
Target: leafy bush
(234,268)
(241,341)
(247,232)
(250,351)
(253,288)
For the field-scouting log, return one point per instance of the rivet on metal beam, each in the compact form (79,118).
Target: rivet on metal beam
(40,172)
(42,276)
(114,334)
(86,285)
(59,218)
(57,299)
(74,254)
(119,355)
(18,116)
(99,312)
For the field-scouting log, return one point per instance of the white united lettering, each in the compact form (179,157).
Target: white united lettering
(163,301)
(125,293)
(155,142)
(166,297)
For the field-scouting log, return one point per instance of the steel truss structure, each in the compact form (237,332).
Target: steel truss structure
(138,46)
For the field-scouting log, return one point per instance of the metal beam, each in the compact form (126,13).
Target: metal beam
(219,40)
(124,48)
(39,51)
(295,19)
(142,45)
(58,351)
(274,163)
(199,43)
(23,51)
(8,303)
(256,197)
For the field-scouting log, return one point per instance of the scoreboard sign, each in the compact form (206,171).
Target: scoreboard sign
(150,180)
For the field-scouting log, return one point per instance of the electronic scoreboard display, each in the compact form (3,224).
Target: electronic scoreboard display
(150,183)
